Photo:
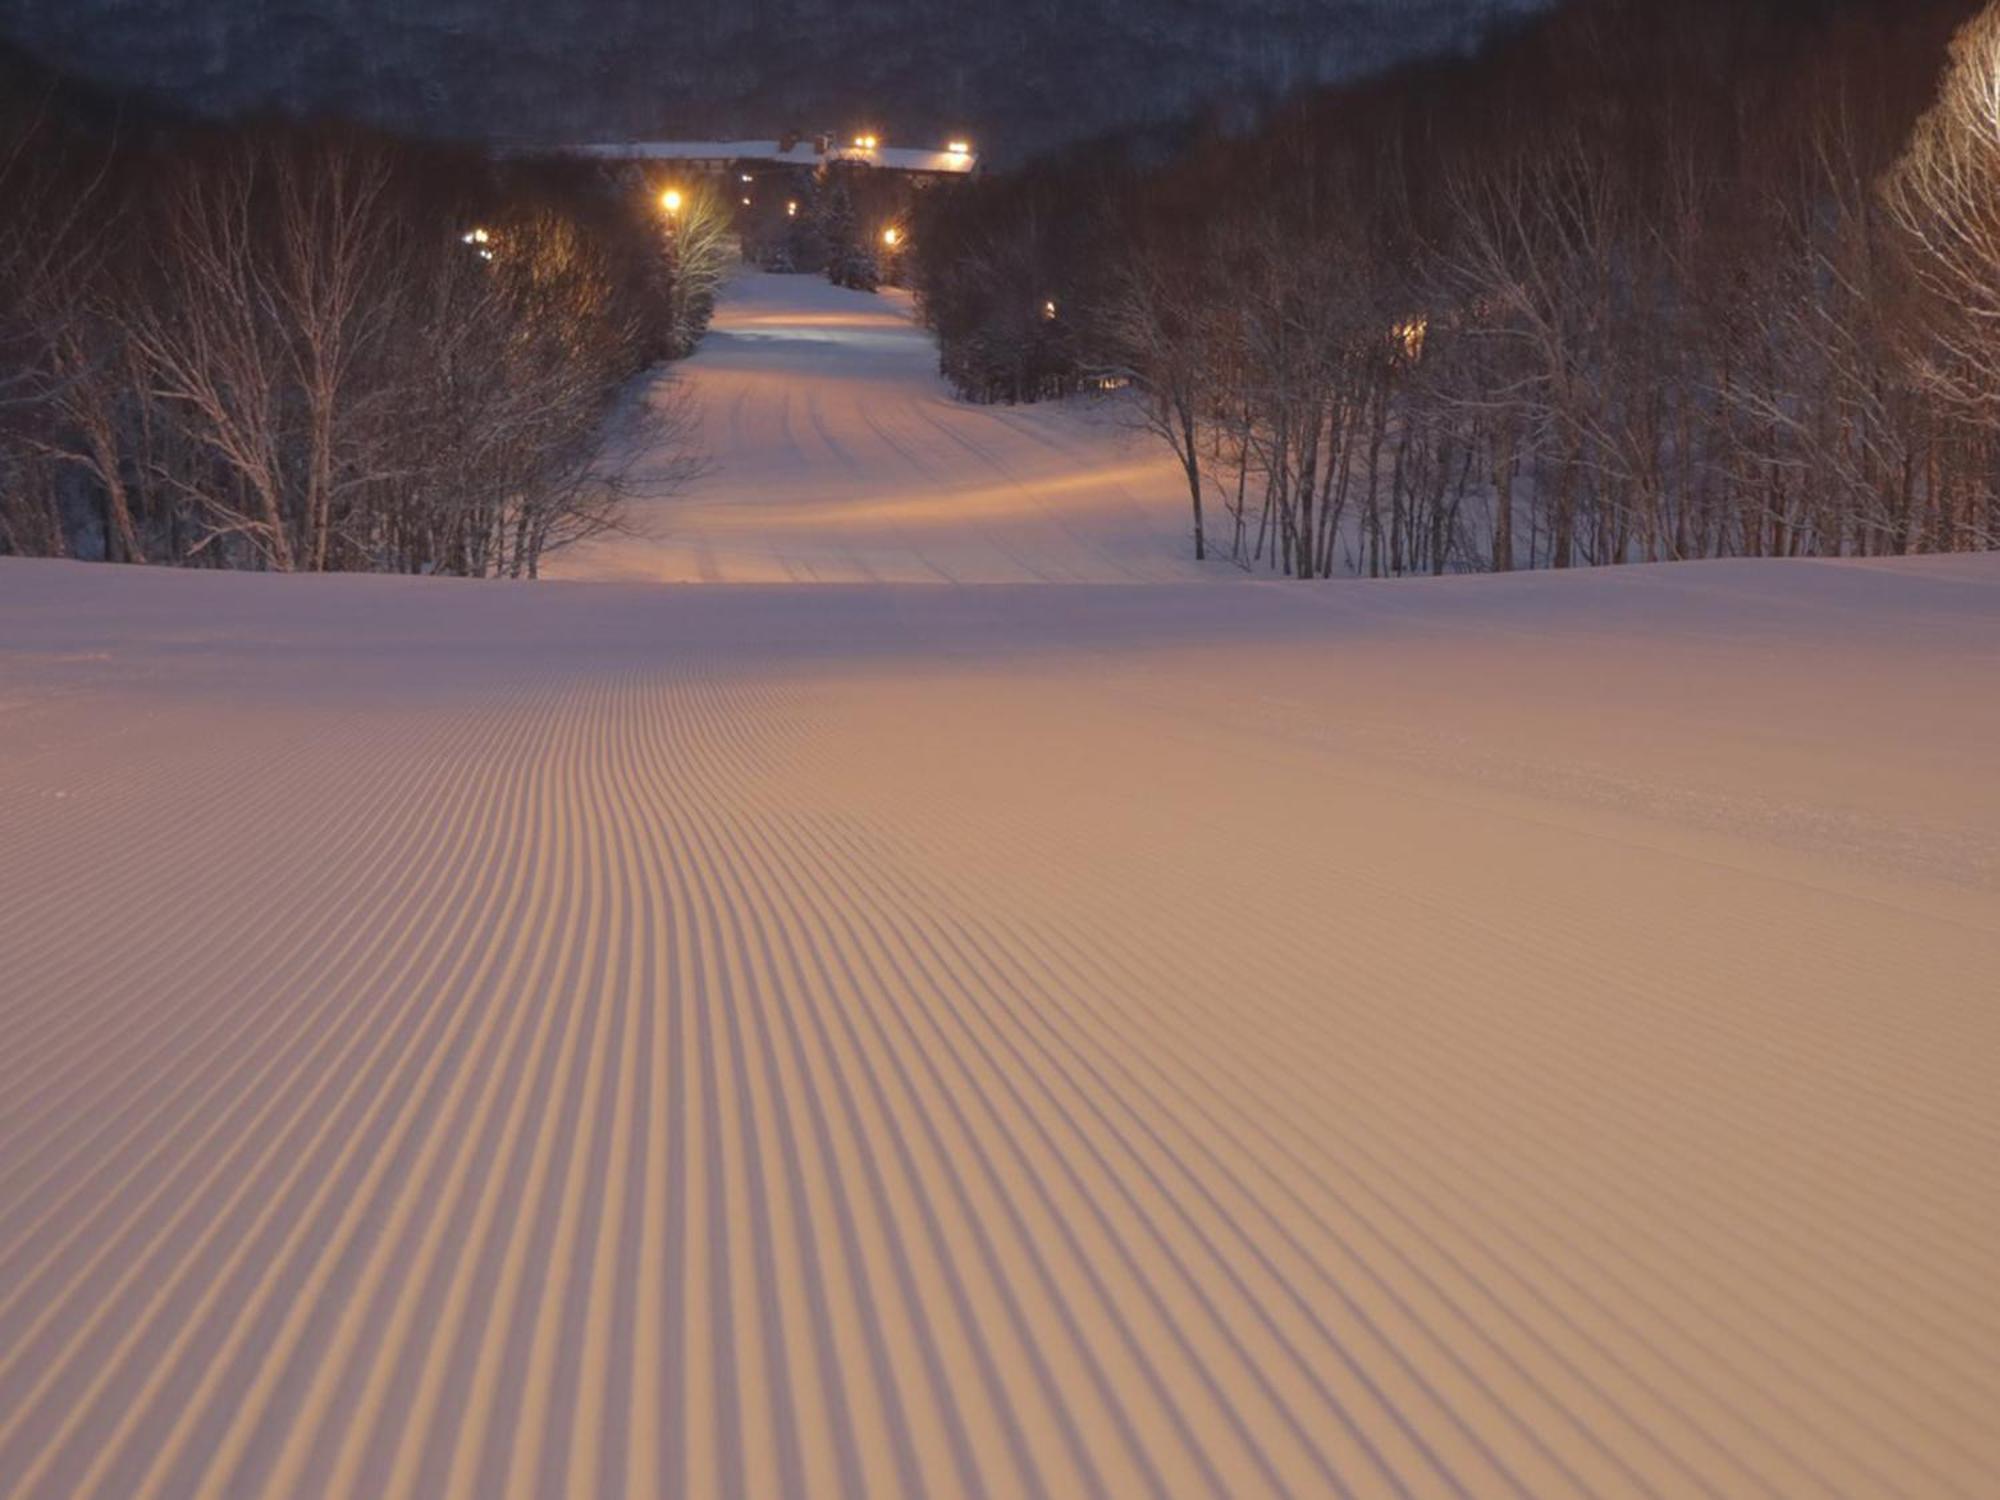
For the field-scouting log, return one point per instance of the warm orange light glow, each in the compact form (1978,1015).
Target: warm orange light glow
(670,200)
(1049,309)
(865,142)
(1411,334)
(892,236)
(960,148)
(791,208)
(746,202)
(476,237)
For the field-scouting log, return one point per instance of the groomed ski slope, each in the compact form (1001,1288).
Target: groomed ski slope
(1525,1036)
(839,458)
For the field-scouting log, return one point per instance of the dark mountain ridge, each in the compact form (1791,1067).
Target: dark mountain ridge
(1021,76)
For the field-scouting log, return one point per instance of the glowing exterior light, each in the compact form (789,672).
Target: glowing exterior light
(960,148)
(791,208)
(892,236)
(670,200)
(746,176)
(1049,309)
(475,237)
(864,142)
(746,202)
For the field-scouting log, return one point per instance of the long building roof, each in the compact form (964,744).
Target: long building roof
(804,153)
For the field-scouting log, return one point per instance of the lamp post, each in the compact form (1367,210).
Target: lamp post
(892,255)
(671,203)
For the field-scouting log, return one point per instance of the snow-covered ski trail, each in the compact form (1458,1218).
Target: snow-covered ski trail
(1487,1037)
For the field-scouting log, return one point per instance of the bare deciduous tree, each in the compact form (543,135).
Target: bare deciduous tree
(281,350)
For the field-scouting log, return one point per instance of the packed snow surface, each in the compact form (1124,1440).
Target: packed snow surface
(1524,1036)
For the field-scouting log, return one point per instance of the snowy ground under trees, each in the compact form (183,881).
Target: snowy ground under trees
(1497,1036)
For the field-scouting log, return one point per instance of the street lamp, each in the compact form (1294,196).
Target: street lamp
(670,200)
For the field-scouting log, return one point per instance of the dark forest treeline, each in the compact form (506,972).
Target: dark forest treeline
(1641,282)
(842,221)
(312,348)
